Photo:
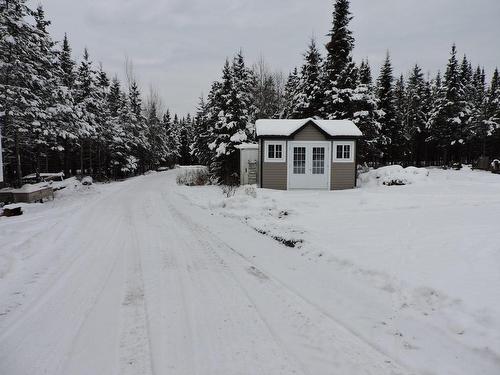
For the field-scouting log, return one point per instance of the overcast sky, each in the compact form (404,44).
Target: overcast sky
(179,46)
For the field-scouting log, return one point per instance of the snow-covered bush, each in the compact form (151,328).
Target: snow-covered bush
(250,191)
(393,175)
(495,165)
(87,181)
(193,176)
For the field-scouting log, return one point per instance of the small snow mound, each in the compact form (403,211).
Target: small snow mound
(393,175)
(87,181)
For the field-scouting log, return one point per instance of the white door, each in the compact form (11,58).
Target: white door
(309,165)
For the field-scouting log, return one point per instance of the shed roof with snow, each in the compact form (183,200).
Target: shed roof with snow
(288,128)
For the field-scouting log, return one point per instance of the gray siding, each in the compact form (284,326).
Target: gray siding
(309,133)
(259,162)
(343,176)
(274,176)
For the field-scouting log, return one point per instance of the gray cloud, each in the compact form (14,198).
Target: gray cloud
(179,46)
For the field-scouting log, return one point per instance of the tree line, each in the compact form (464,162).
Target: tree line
(60,115)
(412,120)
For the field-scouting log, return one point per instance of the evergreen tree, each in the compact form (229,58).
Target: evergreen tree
(66,116)
(366,116)
(155,133)
(232,115)
(87,108)
(119,134)
(67,64)
(242,109)
(451,123)
(390,129)
(139,143)
(310,97)
(172,135)
(199,148)
(401,117)
(43,132)
(104,132)
(417,97)
(186,135)
(291,96)
(478,111)
(20,83)
(493,113)
(340,75)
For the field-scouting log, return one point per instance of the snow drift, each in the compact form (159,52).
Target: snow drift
(393,175)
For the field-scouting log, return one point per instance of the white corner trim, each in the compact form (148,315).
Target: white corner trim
(344,143)
(283,152)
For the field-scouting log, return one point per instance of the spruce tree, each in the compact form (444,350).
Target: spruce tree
(401,117)
(493,114)
(418,108)
(390,129)
(310,97)
(231,118)
(221,130)
(340,74)
(140,145)
(451,124)
(292,93)
(242,108)
(67,64)
(66,117)
(186,136)
(87,107)
(20,105)
(478,109)
(366,116)
(199,148)
(43,132)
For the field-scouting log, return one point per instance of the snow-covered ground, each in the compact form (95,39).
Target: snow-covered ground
(147,277)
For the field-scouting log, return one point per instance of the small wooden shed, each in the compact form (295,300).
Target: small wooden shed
(307,154)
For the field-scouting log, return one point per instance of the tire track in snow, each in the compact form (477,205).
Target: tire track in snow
(164,284)
(223,320)
(68,326)
(68,268)
(135,344)
(31,292)
(389,363)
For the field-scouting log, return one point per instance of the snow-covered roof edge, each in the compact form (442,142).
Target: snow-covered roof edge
(285,128)
(248,146)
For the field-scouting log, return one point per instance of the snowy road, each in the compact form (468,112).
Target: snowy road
(139,277)
(131,283)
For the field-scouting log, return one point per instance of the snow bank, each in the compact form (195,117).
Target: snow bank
(393,175)
(425,258)
(256,208)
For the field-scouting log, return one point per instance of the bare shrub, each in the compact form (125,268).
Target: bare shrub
(193,176)
(228,190)
(251,191)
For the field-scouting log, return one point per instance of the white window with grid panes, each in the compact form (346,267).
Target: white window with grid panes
(318,166)
(275,151)
(343,151)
